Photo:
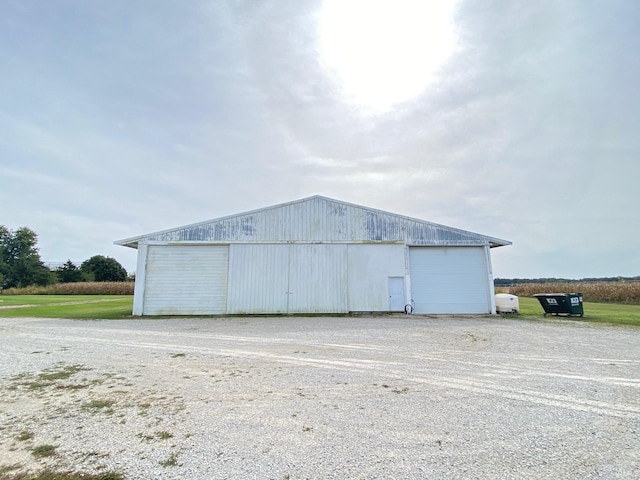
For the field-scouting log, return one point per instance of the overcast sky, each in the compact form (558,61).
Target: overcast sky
(518,120)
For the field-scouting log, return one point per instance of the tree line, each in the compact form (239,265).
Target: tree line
(21,265)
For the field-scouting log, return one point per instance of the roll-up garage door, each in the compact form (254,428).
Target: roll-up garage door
(449,280)
(186,280)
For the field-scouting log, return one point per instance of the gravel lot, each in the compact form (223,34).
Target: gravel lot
(293,398)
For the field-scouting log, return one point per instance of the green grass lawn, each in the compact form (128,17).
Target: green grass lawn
(593,312)
(66,306)
(119,306)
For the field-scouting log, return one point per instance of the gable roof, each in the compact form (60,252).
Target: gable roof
(317,219)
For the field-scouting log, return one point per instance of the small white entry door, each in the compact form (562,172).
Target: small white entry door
(396,294)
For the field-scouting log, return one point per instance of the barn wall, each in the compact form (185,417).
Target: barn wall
(491,288)
(370,267)
(185,279)
(141,280)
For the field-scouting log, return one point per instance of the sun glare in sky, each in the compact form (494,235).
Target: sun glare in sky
(384,52)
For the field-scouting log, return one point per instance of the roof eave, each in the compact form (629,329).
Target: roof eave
(128,242)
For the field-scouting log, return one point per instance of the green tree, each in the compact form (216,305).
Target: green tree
(104,269)
(68,273)
(20,263)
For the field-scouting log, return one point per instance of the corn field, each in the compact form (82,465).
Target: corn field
(606,292)
(75,288)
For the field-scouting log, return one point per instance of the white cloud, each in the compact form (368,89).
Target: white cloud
(132,118)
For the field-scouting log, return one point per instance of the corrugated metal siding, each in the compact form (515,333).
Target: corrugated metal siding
(449,280)
(258,278)
(318,279)
(319,219)
(370,267)
(287,278)
(186,280)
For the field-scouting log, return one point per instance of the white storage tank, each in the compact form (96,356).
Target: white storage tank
(507,303)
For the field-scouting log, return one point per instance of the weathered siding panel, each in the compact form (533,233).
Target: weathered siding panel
(258,278)
(318,279)
(370,267)
(286,278)
(319,219)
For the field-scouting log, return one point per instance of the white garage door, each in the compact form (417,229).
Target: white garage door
(287,279)
(258,279)
(186,280)
(449,280)
(318,279)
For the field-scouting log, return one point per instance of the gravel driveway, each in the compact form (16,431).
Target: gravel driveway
(319,397)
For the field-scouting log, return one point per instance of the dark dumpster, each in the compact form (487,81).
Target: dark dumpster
(561,303)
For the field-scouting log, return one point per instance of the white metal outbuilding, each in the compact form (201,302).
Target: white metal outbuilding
(315,255)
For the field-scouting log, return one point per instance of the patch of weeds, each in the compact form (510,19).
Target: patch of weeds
(401,390)
(178,355)
(73,386)
(145,437)
(63,374)
(25,435)
(171,461)
(4,469)
(99,405)
(35,385)
(162,435)
(95,454)
(43,451)
(48,378)
(144,409)
(53,475)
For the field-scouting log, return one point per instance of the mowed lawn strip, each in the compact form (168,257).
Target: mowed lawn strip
(10,300)
(120,306)
(67,306)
